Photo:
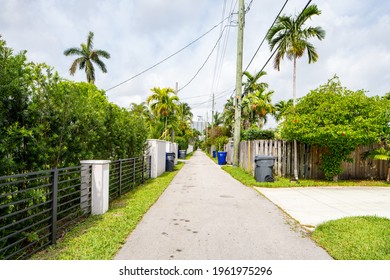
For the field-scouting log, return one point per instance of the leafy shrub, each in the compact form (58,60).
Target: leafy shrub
(182,143)
(257,134)
(220,141)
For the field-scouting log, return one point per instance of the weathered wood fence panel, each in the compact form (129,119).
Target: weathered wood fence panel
(309,160)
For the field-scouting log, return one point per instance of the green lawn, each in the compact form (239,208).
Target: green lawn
(100,237)
(355,238)
(249,180)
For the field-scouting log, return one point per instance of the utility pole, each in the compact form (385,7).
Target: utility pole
(207,122)
(212,118)
(237,118)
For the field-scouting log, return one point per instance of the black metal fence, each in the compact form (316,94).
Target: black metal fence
(125,174)
(36,208)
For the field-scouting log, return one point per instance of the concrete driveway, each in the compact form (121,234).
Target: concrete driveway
(311,206)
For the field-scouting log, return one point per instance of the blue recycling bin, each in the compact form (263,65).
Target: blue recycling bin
(222,158)
(214,154)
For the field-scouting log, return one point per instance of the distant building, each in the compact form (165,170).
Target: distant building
(199,126)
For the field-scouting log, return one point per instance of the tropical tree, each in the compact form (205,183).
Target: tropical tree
(281,108)
(185,116)
(217,119)
(164,104)
(290,36)
(256,103)
(87,56)
(228,114)
(337,120)
(251,85)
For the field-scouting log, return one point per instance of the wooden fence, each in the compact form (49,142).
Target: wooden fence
(309,160)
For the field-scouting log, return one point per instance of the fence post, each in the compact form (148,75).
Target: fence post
(54,204)
(100,185)
(85,188)
(120,177)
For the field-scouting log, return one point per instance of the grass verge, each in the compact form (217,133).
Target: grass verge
(100,237)
(355,238)
(249,180)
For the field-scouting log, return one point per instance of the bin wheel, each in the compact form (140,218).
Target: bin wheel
(269,178)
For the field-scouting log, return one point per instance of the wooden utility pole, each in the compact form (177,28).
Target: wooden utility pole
(212,117)
(237,118)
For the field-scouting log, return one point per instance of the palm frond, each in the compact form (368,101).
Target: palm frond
(73,51)
(306,14)
(102,53)
(89,45)
(311,53)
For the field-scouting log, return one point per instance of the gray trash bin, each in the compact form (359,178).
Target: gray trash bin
(182,154)
(264,167)
(170,161)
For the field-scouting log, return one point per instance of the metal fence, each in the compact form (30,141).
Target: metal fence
(36,208)
(125,174)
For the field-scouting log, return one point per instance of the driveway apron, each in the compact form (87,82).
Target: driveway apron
(205,214)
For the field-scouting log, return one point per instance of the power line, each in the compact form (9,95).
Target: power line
(248,7)
(165,59)
(204,63)
(277,48)
(225,43)
(219,45)
(265,36)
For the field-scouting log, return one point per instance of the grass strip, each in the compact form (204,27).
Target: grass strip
(355,238)
(100,237)
(280,182)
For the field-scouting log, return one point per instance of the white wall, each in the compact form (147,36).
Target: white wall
(157,150)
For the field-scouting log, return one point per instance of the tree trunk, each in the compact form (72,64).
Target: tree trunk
(388,173)
(295,141)
(336,178)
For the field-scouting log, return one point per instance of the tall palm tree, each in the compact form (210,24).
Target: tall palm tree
(164,104)
(290,37)
(87,56)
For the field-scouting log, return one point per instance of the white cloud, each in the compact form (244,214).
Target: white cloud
(140,33)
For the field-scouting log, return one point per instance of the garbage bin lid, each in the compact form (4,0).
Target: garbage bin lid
(264,157)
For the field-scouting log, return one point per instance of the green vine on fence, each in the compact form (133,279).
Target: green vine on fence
(338,120)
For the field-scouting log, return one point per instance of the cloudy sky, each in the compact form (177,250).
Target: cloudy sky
(141,33)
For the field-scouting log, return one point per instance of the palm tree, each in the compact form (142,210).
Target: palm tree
(217,119)
(255,108)
(290,37)
(281,107)
(87,56)
(251,84)
(164,104)
(228,114)
(256,103)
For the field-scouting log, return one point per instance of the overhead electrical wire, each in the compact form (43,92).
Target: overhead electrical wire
(219,45)
(277,48)
(265,36)
(170,56)
(204,63)
(224,47)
